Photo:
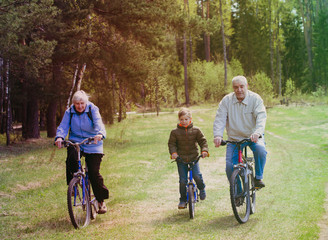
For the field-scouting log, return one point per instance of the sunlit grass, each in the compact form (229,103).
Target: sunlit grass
(143,183)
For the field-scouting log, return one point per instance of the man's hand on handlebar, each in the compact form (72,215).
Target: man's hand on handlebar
(255,137)
(217,141)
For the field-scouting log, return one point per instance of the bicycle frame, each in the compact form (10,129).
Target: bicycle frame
(81,198)
(191,182)
(191,186)
(82,173)
(242,184)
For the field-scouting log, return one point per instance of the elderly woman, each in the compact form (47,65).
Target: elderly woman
(80,121)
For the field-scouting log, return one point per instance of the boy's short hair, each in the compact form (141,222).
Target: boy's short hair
(184,111)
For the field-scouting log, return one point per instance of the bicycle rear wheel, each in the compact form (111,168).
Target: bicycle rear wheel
(78,203)
(191,201)
(239,195)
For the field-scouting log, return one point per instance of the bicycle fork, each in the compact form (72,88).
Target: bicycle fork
(191,182)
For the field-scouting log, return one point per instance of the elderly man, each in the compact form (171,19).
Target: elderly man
(243,114)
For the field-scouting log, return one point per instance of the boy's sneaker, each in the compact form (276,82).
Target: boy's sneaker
(182,205)
(259,183)
(102,208)
(202,194)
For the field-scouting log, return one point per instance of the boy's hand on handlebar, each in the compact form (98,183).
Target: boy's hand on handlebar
(217,141)
(59,142)
(98,138)
(204,154)
(174,155)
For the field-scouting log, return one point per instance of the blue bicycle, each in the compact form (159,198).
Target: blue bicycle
(192,191)
(82,205)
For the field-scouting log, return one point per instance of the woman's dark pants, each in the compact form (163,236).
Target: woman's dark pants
(93,163)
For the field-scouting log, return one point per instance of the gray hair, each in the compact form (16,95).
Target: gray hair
(240,78)
(80,96)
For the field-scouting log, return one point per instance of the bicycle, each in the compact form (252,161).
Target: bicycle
(192,191)
(82,205)
(242,184)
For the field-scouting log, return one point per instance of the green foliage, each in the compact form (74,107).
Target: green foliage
(206,81)
(320,92)
(290,88)
(261,84)
(236,67)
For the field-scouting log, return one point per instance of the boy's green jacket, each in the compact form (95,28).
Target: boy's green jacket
(184,141)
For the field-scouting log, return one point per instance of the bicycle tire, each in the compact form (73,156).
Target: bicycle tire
(191,201)
(79,210)
(252,191)
(93,203)
(239,196)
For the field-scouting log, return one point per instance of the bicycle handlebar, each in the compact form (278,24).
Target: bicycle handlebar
(179,159)
(224,142)
(67,143)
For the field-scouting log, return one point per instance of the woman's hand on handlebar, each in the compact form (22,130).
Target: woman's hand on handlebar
(59,142)
(98,138)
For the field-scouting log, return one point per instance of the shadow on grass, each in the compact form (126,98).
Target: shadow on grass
(51,225)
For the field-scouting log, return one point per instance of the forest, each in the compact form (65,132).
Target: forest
(146,55)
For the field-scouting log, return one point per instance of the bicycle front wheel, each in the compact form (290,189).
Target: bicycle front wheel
(191,201)
(94,206)
(78,203)
(239,195)
(252,192)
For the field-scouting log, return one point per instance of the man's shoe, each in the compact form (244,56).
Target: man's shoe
(259,184)
(102,208)
(202,194)
(182,205)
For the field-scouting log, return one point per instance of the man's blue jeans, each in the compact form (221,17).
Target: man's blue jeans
(259,153)
(183,179)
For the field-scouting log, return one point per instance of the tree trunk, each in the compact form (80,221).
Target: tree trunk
(7,104)
(224,48)
(185,69)
(52,105)
(1,95)
(156,95)
(32,117)
(185,62)
(80,77)
(208,38)
(271,44)
(109,110)
(51,119)
(113,93)
(307,24)
(73,86)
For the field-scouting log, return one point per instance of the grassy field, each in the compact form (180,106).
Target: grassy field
(143,183)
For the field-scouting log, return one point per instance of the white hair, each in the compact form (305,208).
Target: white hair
(80,96)
(239,78)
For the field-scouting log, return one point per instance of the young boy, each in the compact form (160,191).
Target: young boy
(183,142)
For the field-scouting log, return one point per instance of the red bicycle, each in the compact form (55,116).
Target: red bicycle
(242,184)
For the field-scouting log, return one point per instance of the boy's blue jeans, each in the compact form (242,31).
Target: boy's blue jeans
(259,153)
(183,179)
